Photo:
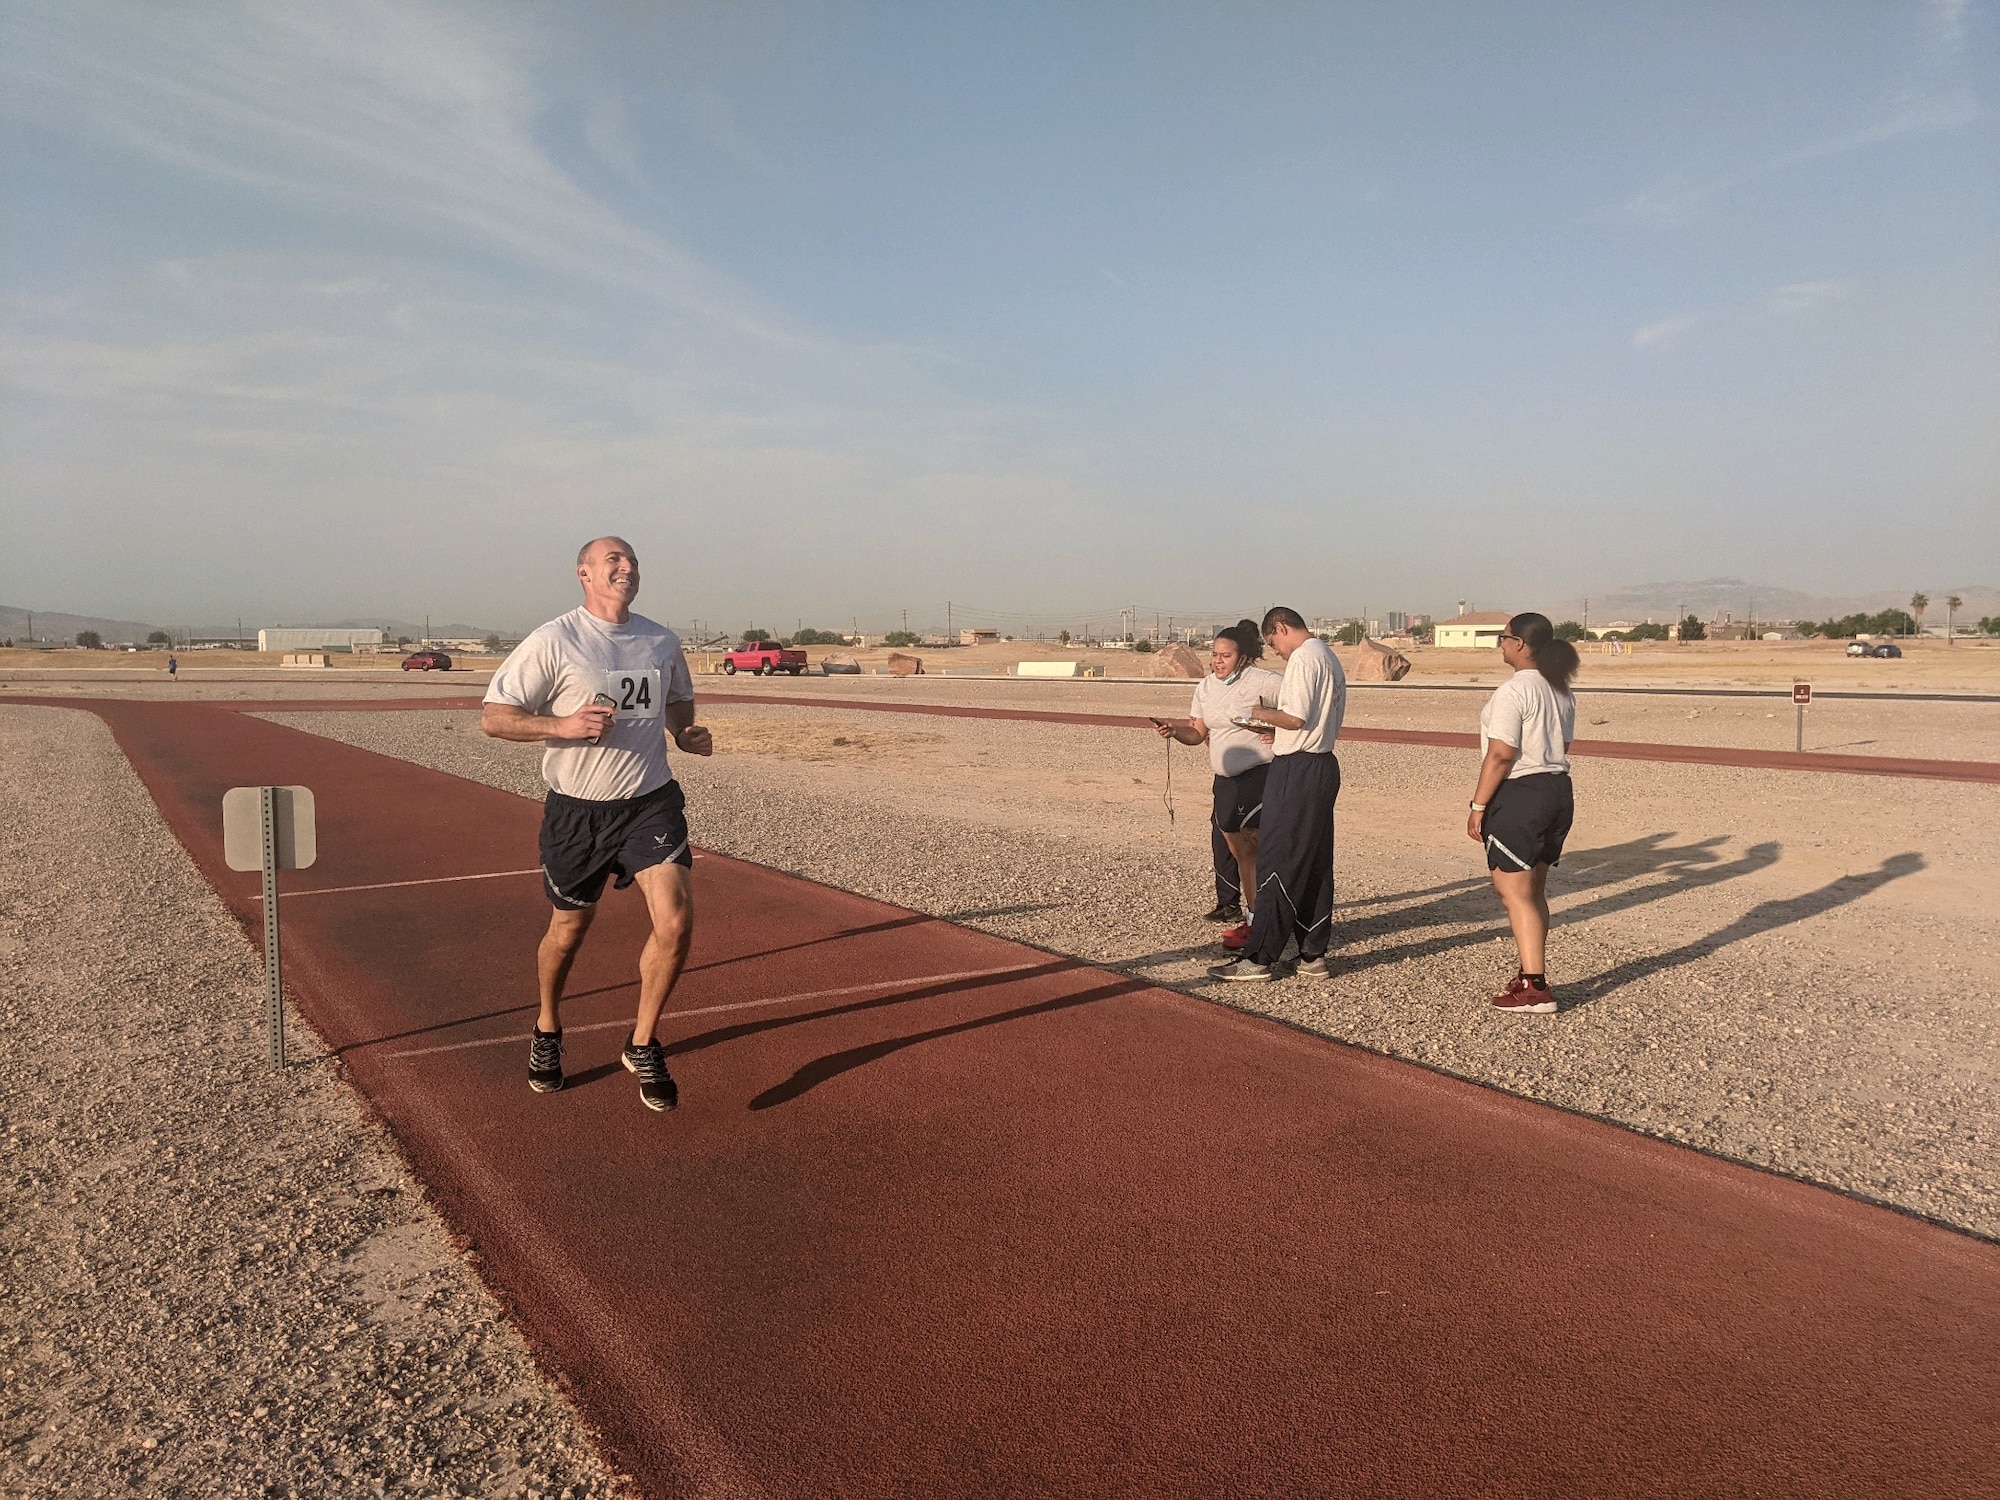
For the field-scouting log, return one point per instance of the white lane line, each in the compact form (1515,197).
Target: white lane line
(392,885)
(712,1010)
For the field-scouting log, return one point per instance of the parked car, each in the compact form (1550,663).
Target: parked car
(1887,648)
(427,661)
(1860,648)
(764,658)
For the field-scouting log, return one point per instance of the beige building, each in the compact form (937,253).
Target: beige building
(1480,628)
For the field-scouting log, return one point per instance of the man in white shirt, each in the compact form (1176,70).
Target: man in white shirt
(1295,856)
(603,688)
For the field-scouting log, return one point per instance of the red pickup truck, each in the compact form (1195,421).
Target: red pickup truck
(764,658)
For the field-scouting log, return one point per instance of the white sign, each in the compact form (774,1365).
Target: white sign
(243,828)
(634,694)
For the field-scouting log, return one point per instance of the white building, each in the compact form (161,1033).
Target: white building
(284,639)
(1480,628)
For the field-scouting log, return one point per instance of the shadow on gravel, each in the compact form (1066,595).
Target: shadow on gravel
(1471,912)
(1764,917)
(1666,869)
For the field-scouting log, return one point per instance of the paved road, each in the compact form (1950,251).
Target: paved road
(942,1215)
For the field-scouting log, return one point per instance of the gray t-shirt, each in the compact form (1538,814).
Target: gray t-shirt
(1315,690)
(562,665)
(1534,718)
(1232,750)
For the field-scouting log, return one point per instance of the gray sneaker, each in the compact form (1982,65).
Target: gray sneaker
(1244,971)
(1314,968)
(545,1073)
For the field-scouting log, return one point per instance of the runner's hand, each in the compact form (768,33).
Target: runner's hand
(1475,827)
(696,740)
(587,723)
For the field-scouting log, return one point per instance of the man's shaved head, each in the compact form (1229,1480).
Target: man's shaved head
(583,552)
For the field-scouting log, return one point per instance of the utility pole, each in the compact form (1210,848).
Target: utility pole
(948,636)
(906,622)
(1586,615)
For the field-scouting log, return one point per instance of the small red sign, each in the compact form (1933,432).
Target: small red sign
(1802,693)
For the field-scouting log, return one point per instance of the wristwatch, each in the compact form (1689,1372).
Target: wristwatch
(1477,806)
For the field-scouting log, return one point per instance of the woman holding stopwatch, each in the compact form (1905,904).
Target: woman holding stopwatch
(1240,759)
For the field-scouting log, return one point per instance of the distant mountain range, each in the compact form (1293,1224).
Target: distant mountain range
(53,625)
(61,629)
(1710,597)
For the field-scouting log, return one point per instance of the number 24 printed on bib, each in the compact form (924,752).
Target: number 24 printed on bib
(634,694)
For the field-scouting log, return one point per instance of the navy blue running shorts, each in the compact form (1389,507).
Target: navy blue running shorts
(1239,800)
(586,843)
(1527,821)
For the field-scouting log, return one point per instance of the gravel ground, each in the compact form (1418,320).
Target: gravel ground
(1787,969)
(218,1280)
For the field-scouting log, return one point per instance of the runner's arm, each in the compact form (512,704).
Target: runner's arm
(505,721)
(686,734)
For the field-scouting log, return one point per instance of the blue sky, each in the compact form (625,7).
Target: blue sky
(315,312)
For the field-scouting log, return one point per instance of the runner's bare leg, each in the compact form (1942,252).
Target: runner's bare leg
(669,893)
(553,959)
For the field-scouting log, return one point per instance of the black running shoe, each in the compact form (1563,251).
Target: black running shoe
(1225,911)
(656,1084)
(545,1061)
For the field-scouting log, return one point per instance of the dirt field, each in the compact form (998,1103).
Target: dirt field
(1965,666)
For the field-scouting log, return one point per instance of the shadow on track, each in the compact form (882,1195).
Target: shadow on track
(825,1069)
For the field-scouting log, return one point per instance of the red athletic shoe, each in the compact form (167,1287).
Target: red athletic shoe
(1524,995)
(1235,937)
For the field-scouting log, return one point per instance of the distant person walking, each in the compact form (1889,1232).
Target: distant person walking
(173,667)
(1523,805)
(1240,759)
(1295,857)
(603,689)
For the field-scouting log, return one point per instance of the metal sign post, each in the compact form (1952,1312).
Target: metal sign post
(268,829)
(1801,696)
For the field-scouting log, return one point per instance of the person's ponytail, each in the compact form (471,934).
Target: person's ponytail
(1249,640)
(1555,658)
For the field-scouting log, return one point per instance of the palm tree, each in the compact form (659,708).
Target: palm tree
(1918,604)
(1951,606)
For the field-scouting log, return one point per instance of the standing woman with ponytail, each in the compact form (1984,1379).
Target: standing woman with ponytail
(1523,805)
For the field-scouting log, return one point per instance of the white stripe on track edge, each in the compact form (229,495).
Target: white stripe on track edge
(393,885)
(711,1010)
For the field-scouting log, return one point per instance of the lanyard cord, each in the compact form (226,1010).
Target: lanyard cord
(1169,797)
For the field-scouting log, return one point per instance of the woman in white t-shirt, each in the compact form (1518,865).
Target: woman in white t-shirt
(1522,806)
(1240,759)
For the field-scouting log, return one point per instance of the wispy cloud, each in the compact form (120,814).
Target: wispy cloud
(1790,300)
(1675,204)
(1932,99)
(1666,331)
(1803,296)
(386,114)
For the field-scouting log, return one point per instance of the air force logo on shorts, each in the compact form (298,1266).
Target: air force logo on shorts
(586,843)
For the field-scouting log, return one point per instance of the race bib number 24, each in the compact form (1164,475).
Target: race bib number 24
(634,694)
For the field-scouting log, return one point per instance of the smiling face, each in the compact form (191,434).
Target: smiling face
(609,573)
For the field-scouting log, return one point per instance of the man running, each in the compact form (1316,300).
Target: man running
(1295,857)
(603,688)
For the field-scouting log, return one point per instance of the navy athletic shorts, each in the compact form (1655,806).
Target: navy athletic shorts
(1527,821)
(1239,800)
(585,843)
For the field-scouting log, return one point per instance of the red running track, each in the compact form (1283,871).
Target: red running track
(1977,771)
(942,1215)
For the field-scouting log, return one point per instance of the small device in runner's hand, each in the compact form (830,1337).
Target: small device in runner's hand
(603,700)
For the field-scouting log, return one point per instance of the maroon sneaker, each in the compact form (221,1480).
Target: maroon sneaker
(1235,937)
(1523,994)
